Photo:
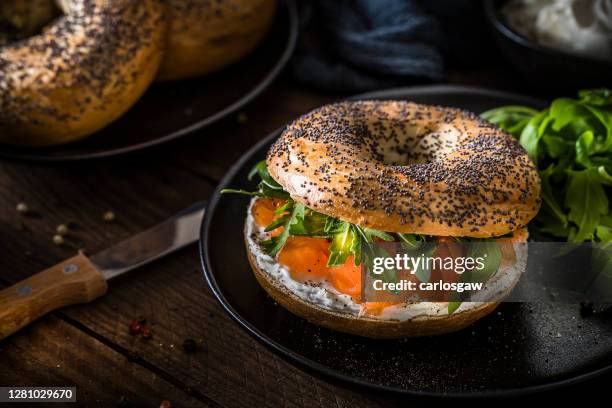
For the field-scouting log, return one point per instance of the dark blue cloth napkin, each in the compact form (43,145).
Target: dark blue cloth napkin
(354,45)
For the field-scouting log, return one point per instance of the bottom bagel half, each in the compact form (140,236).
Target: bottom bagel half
(322,305)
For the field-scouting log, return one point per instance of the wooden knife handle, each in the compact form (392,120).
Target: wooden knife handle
(73,281)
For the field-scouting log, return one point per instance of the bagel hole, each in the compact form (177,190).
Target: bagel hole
(416,145)
(22,19)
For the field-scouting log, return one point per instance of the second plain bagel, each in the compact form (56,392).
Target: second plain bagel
(81,73)
(207,35)
(402,167)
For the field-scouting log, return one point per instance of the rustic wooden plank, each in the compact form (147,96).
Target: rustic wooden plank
(53,353)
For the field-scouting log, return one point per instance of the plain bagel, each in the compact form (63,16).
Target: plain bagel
(403,167)
(207,35)
(81,73)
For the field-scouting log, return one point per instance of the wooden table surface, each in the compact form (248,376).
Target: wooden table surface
(89,346)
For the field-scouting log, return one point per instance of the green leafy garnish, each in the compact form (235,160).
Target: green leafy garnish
(571,143)
(453,306)
(411,241)
(267,187)
(298,220)
(490,253)
(345,242)
(587,202)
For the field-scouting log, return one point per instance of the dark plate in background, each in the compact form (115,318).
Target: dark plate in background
(171,110)
(547,67)
(519,348)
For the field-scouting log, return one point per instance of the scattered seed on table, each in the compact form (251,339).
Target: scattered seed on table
(124,402)
(109,216)
(58,240)
(146,332)
(22,208)
(62,229)
(135,327)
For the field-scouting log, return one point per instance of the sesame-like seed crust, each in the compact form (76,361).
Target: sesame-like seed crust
(403,167)
(85,70)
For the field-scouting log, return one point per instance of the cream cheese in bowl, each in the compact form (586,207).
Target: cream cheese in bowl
(578,26)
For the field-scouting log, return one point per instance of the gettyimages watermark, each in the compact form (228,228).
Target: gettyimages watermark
(486,271)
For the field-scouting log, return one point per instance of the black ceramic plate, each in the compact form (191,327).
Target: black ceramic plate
(171,110)
(519,348)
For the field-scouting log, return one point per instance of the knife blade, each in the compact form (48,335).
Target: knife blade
(81,279)
(154,243)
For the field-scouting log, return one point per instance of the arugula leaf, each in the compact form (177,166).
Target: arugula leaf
(556,146)
(596,97)
(453,306)
(587,202)
(583,148)
(427,249)
(511,118)
(261,169)
(491,253)
(313,225)
(240,191)
(267,187)
(530,135)
(601,175)
(411,241)
(549,198)
(343,244)
(278,222)
(564,111)
(370,233)
(275,244)
(268,192)
(604,233)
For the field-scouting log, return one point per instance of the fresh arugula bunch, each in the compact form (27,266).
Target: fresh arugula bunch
(571,144)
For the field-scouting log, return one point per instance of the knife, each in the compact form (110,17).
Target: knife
(81,279)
